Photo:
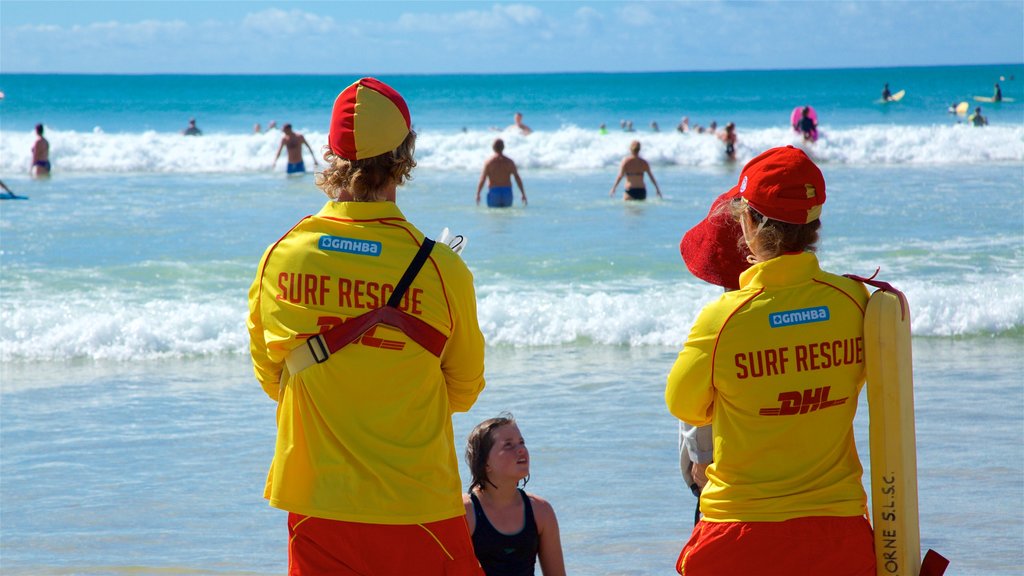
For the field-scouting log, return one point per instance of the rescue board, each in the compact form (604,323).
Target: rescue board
(991,99)
(892,438)
(962,108)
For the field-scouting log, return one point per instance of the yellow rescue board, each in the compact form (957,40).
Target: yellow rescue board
(893,445)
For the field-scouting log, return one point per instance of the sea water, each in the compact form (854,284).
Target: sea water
(135,440)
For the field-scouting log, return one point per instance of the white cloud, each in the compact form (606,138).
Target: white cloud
(637,15)
(288,23)
(500,18)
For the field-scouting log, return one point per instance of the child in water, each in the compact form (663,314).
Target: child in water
(510,527)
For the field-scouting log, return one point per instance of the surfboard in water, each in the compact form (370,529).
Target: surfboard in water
(12,196)
(896,97)
(991,99)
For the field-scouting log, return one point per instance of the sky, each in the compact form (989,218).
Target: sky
(469,37)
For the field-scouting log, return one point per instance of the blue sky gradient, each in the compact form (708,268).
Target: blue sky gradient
(401,37)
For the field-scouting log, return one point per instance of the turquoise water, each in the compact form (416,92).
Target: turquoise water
(752,99)
(134,438)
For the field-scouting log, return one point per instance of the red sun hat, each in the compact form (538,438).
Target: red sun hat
(782,184)
(712,249)
(369,119)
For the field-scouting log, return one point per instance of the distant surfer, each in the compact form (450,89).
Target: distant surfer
(997,96)
(294,141)
(886,93)
(807,125)
(633,168)
(499,170)
(729,137)
(40,155)
(192,129)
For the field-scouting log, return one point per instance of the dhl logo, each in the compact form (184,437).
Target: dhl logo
(796,402)
(368,338)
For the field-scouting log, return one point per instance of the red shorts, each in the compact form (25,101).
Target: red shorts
(319,546)
(833,545)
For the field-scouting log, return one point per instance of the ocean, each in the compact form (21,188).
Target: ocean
(134,438)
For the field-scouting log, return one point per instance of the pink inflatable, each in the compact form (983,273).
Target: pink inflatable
(798,114)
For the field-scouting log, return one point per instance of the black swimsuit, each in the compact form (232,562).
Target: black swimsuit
(506,554)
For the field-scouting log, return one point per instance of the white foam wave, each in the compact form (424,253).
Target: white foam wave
(569,148)
(644,313)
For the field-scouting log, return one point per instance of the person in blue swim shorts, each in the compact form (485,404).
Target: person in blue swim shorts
(294,141)
(498,172)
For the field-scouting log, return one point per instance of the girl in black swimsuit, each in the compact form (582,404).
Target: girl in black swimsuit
(511,528)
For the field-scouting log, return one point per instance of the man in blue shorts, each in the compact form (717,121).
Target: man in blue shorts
(293,141)
(499,170)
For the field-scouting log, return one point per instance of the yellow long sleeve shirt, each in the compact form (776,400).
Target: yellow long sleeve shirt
(367,435)
(776,367)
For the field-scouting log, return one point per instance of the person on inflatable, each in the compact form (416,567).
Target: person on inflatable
(807,125)
(776,367)
(365,333)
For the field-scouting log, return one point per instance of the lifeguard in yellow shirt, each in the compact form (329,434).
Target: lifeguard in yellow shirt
(776,367)
(365,333)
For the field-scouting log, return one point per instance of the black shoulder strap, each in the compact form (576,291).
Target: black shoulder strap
(411,272)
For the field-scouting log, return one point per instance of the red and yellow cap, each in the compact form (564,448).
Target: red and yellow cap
(783,184)
(369,119)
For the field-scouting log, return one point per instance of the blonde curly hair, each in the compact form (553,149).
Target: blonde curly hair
(367,179)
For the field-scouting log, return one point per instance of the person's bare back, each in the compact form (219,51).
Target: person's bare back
(499,170)
(293,144)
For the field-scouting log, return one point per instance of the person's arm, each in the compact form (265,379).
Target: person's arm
(689,393)
(622,172)
(279,148)
(311,153)
(699,445)
(462,361)
(655,182)
(552,562)
(519,181)
(268,372)
(470,513)
(480,185)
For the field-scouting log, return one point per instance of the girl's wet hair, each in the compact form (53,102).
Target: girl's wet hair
(478,448)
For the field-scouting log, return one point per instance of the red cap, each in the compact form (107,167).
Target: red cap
(712,250)
(369,119)
(782,184)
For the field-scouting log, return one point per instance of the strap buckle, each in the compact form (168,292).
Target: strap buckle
(319,352)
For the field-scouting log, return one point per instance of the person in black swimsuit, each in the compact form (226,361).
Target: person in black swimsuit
(511,528)
(633,168)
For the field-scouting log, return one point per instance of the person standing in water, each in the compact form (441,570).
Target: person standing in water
(729,138)
(499,170)
(633,168)
(40,155)
(294,141)
(511,528)
(518,123)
